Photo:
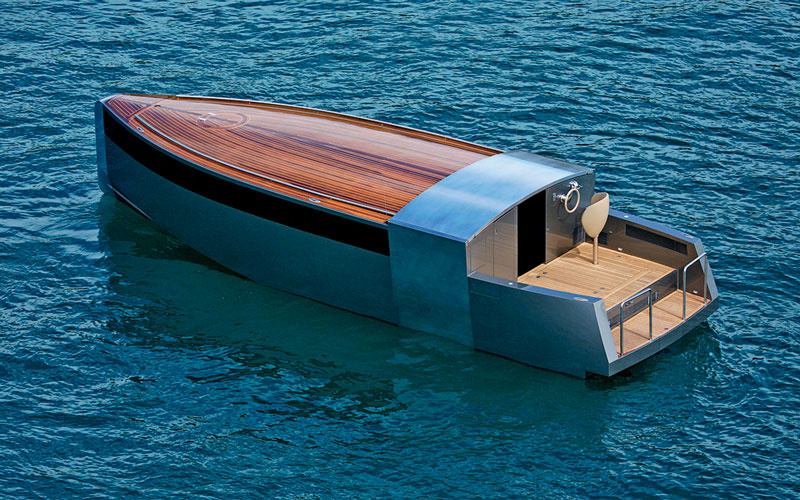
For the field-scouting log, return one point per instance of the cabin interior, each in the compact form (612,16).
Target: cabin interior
(542,242)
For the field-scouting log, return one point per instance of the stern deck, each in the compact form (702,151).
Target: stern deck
(616,277)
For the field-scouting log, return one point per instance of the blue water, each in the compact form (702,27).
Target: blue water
(133,367)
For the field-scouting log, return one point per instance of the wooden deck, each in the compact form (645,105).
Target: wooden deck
(614,279)
(361,167)
(667,314)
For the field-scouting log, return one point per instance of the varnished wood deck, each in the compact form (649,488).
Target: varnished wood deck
(614,279)
(361,167)
(667,314)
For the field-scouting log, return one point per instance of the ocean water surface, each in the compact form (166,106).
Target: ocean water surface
(133,367)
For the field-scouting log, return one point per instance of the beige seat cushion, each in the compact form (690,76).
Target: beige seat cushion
(596,214)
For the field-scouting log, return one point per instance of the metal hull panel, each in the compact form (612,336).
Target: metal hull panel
(429,276)
(539,327)
(264,251)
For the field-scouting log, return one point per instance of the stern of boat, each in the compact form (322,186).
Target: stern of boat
(652,286)
(665,309)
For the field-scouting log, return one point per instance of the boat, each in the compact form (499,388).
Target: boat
(507,252)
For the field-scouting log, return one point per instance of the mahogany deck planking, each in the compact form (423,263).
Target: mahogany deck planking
(361,167)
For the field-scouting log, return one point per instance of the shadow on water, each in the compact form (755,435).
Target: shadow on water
(182,300)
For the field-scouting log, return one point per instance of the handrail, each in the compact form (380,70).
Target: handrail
(705,280)
(622,318)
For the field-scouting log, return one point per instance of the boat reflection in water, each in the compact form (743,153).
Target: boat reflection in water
(507,252)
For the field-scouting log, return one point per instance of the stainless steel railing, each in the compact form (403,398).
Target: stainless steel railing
(628,302)
(705,279)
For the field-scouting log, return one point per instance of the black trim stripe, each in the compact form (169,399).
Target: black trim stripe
(655,239)
(273,208)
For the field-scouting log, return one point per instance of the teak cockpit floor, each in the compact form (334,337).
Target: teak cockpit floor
(616,277)
(362,167)
(667,314)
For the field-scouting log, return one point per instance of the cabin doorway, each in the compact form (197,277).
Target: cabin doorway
(531,233)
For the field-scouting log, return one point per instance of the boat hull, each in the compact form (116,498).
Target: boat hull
(275,254)
(446,263)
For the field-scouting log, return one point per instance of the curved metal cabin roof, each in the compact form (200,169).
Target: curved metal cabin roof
(360,167)
(459,206)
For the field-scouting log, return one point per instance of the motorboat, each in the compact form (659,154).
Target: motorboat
(507,252)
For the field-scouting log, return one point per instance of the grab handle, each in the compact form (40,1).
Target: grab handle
(574,192)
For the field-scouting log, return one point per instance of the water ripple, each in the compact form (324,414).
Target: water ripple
(132,366)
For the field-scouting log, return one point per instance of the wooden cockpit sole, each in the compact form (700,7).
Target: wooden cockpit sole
(667,314)
(616,277)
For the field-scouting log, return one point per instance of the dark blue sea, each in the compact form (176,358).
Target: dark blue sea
(133,367)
